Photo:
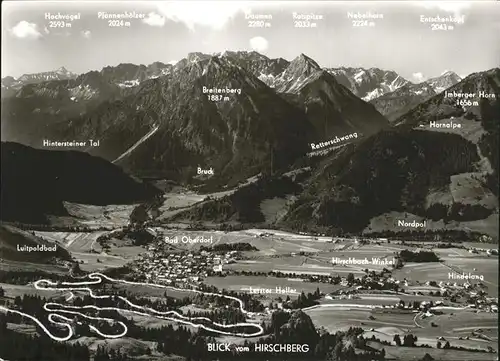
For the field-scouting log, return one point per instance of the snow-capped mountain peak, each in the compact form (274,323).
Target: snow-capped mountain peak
(62,70)
(444,81)
(368,83)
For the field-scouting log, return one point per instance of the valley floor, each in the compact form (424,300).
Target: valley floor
(300,262)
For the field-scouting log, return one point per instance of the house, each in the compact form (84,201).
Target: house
(217,268)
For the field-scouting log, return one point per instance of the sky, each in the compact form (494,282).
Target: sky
(168,31)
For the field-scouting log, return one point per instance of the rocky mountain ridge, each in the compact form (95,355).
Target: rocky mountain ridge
(446,177)
(170,121)
(367,84)
(403,99)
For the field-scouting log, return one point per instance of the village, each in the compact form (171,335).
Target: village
(180,268)
(165,264)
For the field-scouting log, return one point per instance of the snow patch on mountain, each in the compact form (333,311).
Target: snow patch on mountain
(129,83)
(84,92)
(374,94)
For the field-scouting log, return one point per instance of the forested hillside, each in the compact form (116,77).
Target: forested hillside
(391,171)
(243,205)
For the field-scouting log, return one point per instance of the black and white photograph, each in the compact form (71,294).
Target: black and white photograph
(249,180)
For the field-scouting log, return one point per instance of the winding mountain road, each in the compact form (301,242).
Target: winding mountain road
(56,309)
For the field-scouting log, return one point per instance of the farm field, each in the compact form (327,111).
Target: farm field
(487,267)
(386,324)
(280,265)
(416,353)
(469,130)
(423,338)
(339,318)
(272,245)
(12,291)
(288,235)
(369,302)
(274,209)
(467,189)
(181,199)
(372,249)
(381,299)
(481,245)
(81,245)
(453,253)
(461,322)
(112,216)
(422,272)
(242,284)
(92,262)
(236,340)
(15,266)
(154,322)
(72,241)
(23,328)
(310,264)
(127,252)
(383,252)
(150,291)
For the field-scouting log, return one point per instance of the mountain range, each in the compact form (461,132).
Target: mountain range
(414,171)
(401,100)
(166,125)
(409,171)
(395,103)
(370,83)
(71,96)
(11,85)
(161,121)
(60,94)
(123,75)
